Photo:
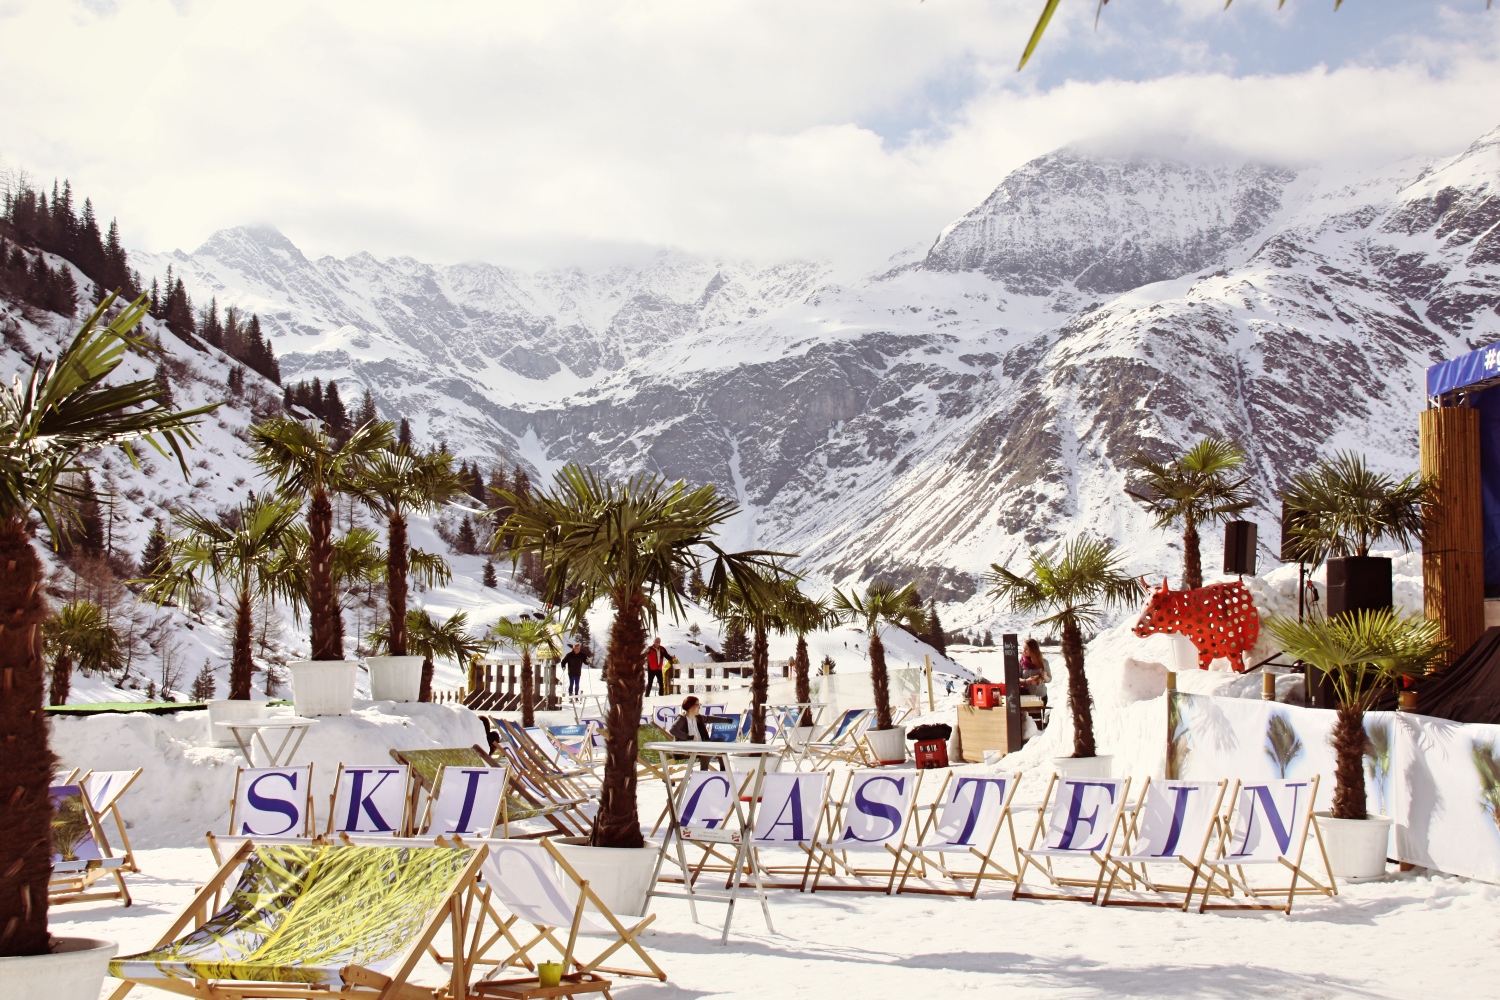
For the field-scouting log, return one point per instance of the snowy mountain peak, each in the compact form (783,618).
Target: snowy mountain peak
(1109,223)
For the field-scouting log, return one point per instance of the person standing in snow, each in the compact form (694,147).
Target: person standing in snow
(1034,672)
(657,659)
(574,662)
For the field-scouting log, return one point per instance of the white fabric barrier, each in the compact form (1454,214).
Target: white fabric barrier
(1439,780)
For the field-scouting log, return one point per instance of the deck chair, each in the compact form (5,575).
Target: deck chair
(1082,823)
(1172,825)
(315,921)
(81,857)
(534,883)
(1268,826)
(531,763)
(587,775)
(973,814)
(467,801)
(371,800)
(793,812)
(841,742)
(708,799)
(873,816)
(104,790)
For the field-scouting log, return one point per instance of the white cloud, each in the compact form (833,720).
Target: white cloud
(525,133)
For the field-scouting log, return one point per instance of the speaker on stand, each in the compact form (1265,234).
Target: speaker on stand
(1239,548)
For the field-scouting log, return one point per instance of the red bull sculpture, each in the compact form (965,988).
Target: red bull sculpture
(1220,619)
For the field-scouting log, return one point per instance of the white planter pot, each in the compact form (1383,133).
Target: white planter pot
(395,678)
(74,971)
(323,687)
(1084,767)
(231,711)
(1356,847)
(889,745)
(620,876)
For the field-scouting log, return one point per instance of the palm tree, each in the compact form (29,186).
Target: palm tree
(78,635)
(1077,589)
(527,634)
(1341,507)
(1283,745)
(1362,653)
(48,421)
(432,641)
(763,617)
(355,558)
(240,551)
(309,464)
(880,604)
(629,542)
(803,616)
(395,484)
(1200,486)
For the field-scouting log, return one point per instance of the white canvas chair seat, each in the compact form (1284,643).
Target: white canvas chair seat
(969,821)
(793,811)
(1078,820)
(466,802)
(1268,826)
(873,816)
(534,883)
(373,800)
(1171,828)
(839,740)
(562,763)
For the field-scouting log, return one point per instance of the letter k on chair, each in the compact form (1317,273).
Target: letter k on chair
(1084,818)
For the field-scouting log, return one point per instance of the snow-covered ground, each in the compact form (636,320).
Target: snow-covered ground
(1397,939)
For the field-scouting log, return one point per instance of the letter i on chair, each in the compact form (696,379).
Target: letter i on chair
(1084,818)
(466,802)
(370,800)
(1173,825)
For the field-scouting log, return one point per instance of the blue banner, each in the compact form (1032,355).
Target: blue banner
(1476,366)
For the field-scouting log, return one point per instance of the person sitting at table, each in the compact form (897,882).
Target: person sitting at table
(692,725)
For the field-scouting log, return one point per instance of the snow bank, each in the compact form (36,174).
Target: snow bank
(186,786)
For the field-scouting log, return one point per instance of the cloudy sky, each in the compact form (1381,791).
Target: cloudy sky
(582,131)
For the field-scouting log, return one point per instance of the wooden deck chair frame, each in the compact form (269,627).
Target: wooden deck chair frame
(832,861)
(1222,867)
(844,746)
(1126,869)
(920,854)
(515,803)
(771,873)
(403,825)
(483,946)
(529,759)
(587,776)
(112,810)
(77,886)
(362,984)
(423,825)
(1062,883)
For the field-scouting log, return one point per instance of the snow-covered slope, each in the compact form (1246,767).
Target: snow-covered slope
(954,410)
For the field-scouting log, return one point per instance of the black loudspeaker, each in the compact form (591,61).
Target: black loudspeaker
(1355,583)
(1239,548)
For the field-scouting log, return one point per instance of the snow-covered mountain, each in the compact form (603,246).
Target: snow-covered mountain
(959,407)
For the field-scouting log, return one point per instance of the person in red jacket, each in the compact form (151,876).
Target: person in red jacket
(657,659)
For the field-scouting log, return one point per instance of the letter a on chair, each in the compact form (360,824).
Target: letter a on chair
(1080,818)
(1173,826)
(1269,826)
(873,817)
(791,814)
(370,801)
(974,815)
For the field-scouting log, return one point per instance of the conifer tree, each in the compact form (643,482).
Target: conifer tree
(154,555)
(695,584)
(476,483)
(236,380)
(466,544)
(209,327)
(204,686)
(584,637)
(489,574)
(936,637)
(736,643)
(520,482)
(367,414)
(989,639)
(403,435)
(496,485)
(334,413)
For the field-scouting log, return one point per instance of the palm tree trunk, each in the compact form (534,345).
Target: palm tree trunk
(618,823)
(760,680)
(427,671)
(321,600)
(395,581)
(880,681)
(1192,561)
(1078,692)
(528,690)
(1349,741)
(26,765)
(62,679)
(241,665)
(804,683)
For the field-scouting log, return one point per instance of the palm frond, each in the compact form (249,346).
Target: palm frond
(1077,582)
(1341,507)
(81,631)
(1361,651)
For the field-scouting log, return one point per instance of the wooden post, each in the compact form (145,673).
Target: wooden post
(928,660)
(1453,542)
(1267,685)
(551,685)
(1171,769)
